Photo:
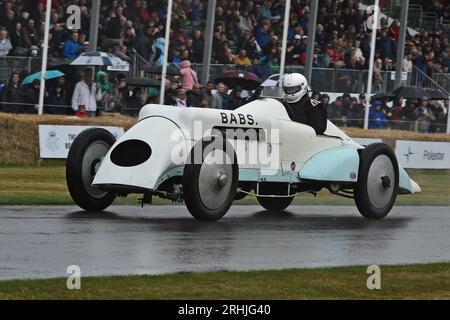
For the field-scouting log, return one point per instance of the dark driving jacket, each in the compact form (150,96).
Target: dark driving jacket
(310,112)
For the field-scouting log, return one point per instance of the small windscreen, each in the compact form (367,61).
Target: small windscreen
(272,92)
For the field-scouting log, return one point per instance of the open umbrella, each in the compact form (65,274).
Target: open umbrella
(436,94)
(244,79)
(383,96)
(157,69)
(143,82)
(96,58)
(49,74)
(409,92)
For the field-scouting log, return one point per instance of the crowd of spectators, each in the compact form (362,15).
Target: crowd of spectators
(246,33)
(89,98)
(422,115)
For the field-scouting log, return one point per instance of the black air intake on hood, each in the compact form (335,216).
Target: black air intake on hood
(131,153)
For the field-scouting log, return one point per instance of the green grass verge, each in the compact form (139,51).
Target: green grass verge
(46,184)
(428,281)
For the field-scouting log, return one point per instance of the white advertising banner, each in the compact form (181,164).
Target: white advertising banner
(119,65)
(423,154)
(366,141)
(403,77)
(56,140)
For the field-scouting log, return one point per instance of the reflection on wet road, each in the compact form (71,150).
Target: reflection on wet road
(41,241)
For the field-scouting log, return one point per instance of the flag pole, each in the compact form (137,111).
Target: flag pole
(284,42)
(166,52)
(44,57)
(374,27)
(448,117)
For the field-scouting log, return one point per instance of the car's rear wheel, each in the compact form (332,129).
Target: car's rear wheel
(210,179)
(378,178)
(85,155)
(274,204)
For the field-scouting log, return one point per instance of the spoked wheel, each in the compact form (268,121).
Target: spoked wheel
(378,178)
(274,204)
(209,186)
(85,155)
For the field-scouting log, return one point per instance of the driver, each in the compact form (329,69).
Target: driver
(303,109)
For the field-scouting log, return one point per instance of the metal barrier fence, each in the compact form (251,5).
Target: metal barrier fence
(339,80)
(10,64)
(326,79)
(443,79)
(323,79)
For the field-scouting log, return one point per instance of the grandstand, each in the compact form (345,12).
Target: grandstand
(247,35)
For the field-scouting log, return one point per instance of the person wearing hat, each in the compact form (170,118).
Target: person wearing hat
(295,50)
(377,118)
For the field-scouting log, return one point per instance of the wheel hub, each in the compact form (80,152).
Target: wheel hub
(94,166)
(380,181)
(385,182)
(222,180)
(214,184)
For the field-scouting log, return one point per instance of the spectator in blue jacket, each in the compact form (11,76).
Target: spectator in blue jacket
(72,47)
(377,118)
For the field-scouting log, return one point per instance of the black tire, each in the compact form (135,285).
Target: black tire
(96,142)
(274,204)
(205,197)
(375,199)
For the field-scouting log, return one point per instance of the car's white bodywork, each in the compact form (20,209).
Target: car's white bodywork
(302,156)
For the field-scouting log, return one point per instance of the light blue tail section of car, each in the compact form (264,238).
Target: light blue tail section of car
(404,180)
(336,164)
(406,185)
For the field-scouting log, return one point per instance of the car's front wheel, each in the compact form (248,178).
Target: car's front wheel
(378,178)
(210,179)
(85,155)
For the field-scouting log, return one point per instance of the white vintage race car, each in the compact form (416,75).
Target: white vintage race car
(211,157)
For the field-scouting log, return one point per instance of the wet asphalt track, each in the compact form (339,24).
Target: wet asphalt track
(41,241)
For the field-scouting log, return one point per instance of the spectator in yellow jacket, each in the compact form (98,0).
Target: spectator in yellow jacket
(242,59)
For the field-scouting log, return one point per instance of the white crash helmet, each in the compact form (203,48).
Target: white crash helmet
(295,86)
